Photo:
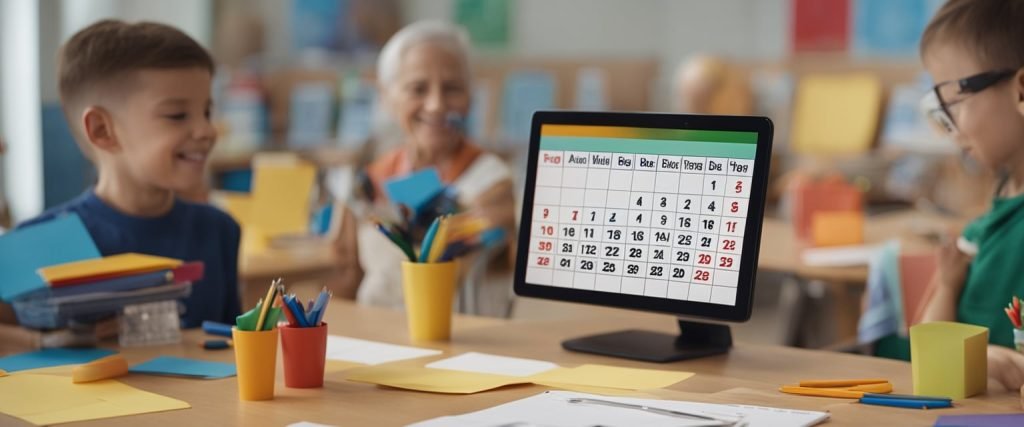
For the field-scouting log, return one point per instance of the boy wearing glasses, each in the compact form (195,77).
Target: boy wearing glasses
(975,50)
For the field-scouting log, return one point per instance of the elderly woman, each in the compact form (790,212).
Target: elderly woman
(424,83)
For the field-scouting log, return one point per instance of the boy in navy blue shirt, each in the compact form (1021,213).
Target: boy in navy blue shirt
(137,99)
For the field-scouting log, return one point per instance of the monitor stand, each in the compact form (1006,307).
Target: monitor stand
(696,339)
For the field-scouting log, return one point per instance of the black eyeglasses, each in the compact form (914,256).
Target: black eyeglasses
(952,92)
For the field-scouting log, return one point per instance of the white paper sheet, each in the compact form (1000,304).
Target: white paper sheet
(839,256)
(491,364)
(553,409)
(371,352)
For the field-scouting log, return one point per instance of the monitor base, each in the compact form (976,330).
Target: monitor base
(696,339)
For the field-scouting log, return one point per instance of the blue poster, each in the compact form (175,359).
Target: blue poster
(890,28)
(318,24)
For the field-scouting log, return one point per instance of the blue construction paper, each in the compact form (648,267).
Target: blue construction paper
(415,190)
(52,357)
(170,365)
(24,251)
(983,420)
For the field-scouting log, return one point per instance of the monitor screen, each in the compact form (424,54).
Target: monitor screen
(656,212)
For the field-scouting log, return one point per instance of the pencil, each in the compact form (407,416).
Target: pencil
(267,302)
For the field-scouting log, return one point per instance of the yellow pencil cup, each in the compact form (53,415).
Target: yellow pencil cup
(256,360)
(429,289)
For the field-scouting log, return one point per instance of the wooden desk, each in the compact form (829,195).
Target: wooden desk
(749,374)
(781,253)
(780,249)
(311,260)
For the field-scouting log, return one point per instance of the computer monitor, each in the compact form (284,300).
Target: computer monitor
(654,212)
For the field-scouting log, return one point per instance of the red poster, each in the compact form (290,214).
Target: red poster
(820,25)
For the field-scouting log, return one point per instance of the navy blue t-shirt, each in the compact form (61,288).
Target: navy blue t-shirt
(189,232)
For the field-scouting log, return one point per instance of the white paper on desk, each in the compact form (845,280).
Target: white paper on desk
(491,364)
(308,424)
(552,409)
(839,256)
(371,352)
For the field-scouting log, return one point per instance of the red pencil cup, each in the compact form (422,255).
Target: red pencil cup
(305,351)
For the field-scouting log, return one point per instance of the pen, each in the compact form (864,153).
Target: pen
(440,240)
(296,310)
(428,239)
(216,328)
(907,403)
(907,396)
(314,315)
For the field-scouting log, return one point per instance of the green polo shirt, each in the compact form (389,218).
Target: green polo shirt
(997,273)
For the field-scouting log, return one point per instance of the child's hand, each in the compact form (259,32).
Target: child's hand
(952,265)
(1006,366)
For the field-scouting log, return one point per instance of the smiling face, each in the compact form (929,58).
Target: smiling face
(431,84)
(990,123)
(162,129)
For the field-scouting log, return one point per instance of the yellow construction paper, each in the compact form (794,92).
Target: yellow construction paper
(100,369)
(610,377)
(949,359)
(128,263)
(837,113)
(340,365)
(49,399)
(428,379)
(281,190)
(585,378)
(837,228)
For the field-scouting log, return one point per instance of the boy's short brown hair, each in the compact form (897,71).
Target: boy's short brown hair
(106,52)
(992,29)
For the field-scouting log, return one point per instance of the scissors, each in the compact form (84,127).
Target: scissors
(846,389)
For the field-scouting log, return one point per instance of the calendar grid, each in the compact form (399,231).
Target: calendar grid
(641,223)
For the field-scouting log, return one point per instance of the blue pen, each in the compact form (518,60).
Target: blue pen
(907,403)
(300,317)
(302,310)
(319,317)
(314,310)
(428,239)
(217,328)
(907,397)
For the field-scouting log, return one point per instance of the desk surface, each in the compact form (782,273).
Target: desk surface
(749,374)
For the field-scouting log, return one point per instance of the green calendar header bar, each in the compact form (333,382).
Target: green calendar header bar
(623,132)
(664,147)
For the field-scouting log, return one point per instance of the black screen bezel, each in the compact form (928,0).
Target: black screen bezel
(752,235)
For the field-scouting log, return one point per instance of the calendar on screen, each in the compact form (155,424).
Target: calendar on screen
(641,211)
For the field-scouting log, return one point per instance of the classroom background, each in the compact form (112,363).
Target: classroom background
(841,80)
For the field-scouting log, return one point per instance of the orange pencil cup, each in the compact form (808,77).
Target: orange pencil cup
(429,289)
(304,351)
(256,357)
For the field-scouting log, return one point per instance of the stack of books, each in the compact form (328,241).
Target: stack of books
(92,289)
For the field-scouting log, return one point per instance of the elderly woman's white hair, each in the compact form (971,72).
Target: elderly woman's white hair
(438,33)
